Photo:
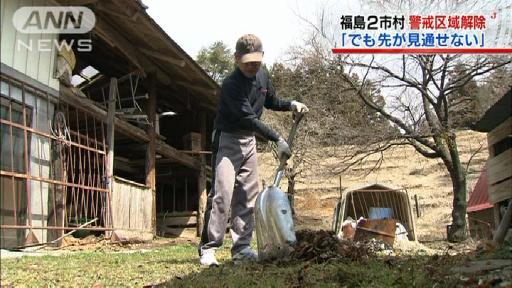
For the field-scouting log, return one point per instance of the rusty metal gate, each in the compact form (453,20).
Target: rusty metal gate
(52,167)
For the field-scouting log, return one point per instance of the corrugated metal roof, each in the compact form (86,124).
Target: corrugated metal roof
(479,198)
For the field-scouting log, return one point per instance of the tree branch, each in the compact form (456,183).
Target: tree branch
(472,156)
(472,74)
(388,116)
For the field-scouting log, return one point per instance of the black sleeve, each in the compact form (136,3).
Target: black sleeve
(240,109)
(273,102)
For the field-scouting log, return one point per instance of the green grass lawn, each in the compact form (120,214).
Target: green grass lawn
(110,269)
(176,265)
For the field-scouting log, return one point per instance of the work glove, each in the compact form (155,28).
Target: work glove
(299,107)
(283,149)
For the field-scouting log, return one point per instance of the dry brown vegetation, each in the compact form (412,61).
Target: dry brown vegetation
(318,190)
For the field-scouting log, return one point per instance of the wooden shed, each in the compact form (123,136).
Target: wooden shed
(497,122)
(121,145)
(363,201)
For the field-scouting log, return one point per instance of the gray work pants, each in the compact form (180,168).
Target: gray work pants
(235,187)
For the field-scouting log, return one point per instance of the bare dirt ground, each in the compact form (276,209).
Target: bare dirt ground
(318,190)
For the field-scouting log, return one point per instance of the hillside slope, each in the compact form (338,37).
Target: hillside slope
(318,191)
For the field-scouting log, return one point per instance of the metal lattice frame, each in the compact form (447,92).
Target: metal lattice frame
(64,167)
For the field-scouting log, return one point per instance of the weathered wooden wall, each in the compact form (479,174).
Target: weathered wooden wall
(131,209)
(500,163)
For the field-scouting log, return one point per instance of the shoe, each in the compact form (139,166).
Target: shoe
(245,255)
(208,259)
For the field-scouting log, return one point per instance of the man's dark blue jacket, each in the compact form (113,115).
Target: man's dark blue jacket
(241,103)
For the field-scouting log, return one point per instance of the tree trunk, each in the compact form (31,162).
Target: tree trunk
(458,229)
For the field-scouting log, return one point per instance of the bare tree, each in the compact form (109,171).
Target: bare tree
(337,116)
(422,87)
(421,93)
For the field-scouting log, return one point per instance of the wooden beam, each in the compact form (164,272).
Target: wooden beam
(150,151)
(209,95)
(499,167)
(502,131)
(145,24)
(163,57)
(110,141)
(140,60)
(174,99)
(201,179)
(111,36)
(163,36)
(496,214)
(77,2)
(167,151)
(210,91)
(67,95)
(203,101)
(197,152)
(151,61)
(125,166)
(110,130)
(501,191)
(110,11)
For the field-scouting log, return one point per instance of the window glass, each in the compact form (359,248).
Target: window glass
(18,150)
(6,148)
(4,88)
(4,109)
(13,138)
(16,112)
(16,93)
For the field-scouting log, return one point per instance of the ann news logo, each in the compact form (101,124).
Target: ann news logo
(54,20)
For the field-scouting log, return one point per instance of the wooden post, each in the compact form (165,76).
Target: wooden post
(418,214)
(201,179)
(151,148)
(502,228)
(110,142)
(186,195)
(340,190)
(173,194)
(496,214)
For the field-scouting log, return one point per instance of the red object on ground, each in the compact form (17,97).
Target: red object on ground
(479,198)
(383,229)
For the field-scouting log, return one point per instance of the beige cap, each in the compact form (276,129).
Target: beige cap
(249,48)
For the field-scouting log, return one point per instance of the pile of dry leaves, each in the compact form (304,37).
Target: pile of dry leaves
(320,246)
